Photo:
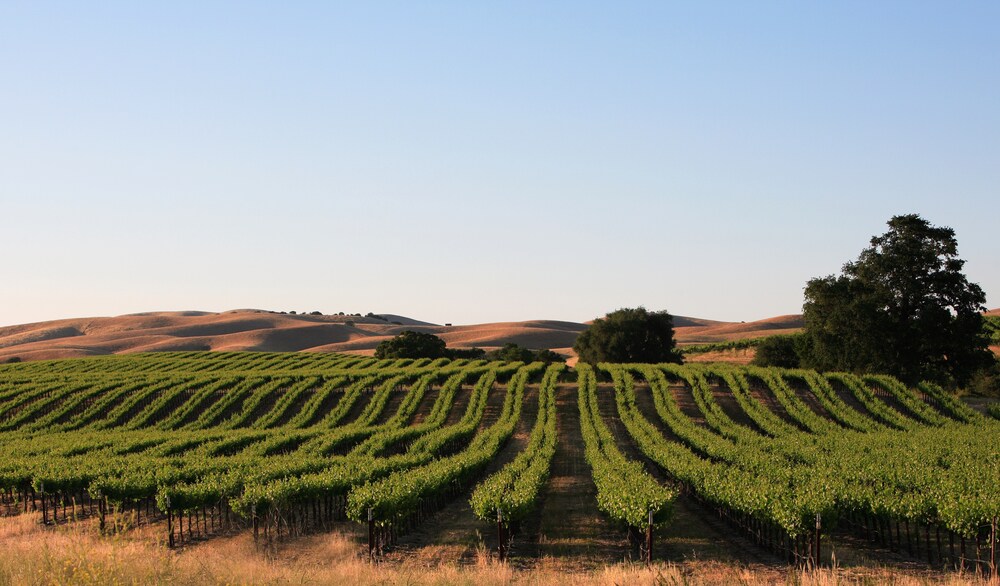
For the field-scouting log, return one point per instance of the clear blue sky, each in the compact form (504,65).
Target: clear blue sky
(468,162)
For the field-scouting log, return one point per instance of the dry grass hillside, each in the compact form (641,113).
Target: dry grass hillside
(994,313)
(694,331)
(258,330)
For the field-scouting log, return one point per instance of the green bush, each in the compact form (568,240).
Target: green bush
(410,344)
(782,351)
(629,335)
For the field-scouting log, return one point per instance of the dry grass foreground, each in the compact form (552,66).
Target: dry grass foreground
(75,554)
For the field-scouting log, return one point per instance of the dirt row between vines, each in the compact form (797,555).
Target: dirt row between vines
(567,536)
(569,533)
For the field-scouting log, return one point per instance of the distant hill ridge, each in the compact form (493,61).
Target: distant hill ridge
(261,330)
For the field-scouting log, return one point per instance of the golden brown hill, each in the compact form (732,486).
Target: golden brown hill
(256,330)
(707,332)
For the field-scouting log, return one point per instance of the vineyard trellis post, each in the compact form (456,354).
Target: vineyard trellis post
(819,524)
(649,539)
(500,536)
(371,534)
(993,548)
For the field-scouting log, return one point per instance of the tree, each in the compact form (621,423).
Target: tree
(903,308)
(629,335)
(466,353)
(511,352)
(783,351)
(410,344)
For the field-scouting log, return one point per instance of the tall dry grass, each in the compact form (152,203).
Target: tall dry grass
(76,554)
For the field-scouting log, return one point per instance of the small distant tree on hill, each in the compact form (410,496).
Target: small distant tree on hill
(629,335)
(903,308)
(410,344)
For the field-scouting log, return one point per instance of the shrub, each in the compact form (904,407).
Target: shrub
(629,335)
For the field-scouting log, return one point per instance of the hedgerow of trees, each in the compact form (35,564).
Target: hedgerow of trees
(412,344)
(511,352)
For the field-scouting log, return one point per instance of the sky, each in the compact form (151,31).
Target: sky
(470,162)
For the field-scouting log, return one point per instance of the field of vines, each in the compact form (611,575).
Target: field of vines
(199,444)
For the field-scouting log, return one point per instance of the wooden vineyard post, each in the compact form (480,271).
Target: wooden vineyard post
(371,535)
(962,559)
(993,549)
(649,539)
(170,528)
(102,507)
(819,522)
(930,554)
(45,511)
(501,542)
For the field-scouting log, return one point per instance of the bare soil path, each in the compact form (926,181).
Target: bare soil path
(694,532)
(572,534)
(455,534)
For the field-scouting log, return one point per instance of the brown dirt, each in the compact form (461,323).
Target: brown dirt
(392,405)
(802,392)
(460,404)
(848,397)
(454,534)
(734,356)
(730,406)
(296,406)
(694,533)
(763,393)
(572,533)
(328,404)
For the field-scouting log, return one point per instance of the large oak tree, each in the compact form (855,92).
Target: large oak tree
(904,307)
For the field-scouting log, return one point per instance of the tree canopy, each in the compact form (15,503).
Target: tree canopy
(512,352)
(904,307)
(629,335)
(784,351)
(410,344)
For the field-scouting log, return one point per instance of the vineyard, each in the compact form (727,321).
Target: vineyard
(199,445)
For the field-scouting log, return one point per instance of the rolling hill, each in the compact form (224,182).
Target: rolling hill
(258,330)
